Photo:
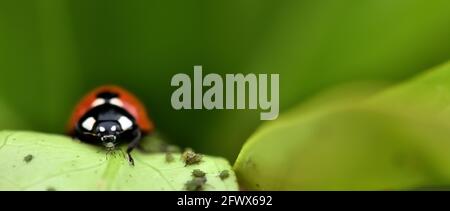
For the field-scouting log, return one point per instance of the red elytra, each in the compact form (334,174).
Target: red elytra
(130,103)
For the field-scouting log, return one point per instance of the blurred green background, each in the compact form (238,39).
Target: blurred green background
(53,52)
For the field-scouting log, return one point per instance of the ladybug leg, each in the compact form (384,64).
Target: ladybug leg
(133,145)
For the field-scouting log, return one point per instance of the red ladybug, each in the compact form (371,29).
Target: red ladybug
(110,115)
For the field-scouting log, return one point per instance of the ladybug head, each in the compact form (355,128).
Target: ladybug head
(107,125)
(108,132)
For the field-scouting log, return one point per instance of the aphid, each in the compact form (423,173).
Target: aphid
(169,157)
(28,158)
(51,189)
(195,184)
(198,173)
(110,115)
(190,157)
(224,174)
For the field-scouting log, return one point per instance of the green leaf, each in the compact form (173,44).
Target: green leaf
(397,139)
(430,90)
(37,161)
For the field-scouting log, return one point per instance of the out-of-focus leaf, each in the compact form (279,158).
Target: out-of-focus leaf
(430,90)
(9,118)
(397,139)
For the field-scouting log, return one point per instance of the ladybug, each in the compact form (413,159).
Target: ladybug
(109,116)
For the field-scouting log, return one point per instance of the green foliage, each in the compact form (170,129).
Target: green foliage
(394,140)
(37,161)
(15,120)
(52,52)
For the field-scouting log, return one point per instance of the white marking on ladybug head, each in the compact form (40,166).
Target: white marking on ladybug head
(102,129)
(116,101)
(125,123)
(113,128)
(97,102)
(88,124)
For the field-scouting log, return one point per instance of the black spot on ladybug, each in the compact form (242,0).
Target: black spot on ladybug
(107,95)
(28,158)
